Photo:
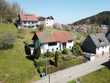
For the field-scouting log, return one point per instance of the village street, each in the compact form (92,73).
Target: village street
(74,72)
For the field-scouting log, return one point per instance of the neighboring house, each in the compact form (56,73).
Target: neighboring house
(41,21)
(32,21)
(52,41)
(27,21)
(104,28)
(108,37)
(49,21)
(96,46)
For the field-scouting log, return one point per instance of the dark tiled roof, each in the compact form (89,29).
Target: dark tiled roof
(108,37)
(50,17)
(99,40)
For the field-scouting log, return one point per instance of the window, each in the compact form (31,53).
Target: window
(70,47)
(52,44)
(70,41)
(52,49)
(101,40)
(102,53)
(47,50)
(24,22)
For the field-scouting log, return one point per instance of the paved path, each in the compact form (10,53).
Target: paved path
(74,72)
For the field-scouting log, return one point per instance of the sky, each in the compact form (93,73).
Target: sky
(64,11)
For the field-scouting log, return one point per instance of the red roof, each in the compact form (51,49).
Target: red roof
(28,17)
(60,36)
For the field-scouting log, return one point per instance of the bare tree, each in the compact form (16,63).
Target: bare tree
(8,12)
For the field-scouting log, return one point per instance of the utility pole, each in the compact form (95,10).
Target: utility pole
(46,66)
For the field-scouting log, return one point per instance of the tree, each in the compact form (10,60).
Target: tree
(77,49)
(8,12)
(56,58)
(37,53)
(41,27)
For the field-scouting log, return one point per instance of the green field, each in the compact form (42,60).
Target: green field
(100,76)
(14,66)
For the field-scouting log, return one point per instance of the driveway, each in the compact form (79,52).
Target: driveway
(74,72)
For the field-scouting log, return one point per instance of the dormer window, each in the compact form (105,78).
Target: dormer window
(100,40)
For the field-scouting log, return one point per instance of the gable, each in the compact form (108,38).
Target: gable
(88,45)
(99,40)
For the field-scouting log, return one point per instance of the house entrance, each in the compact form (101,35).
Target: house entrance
(64,45)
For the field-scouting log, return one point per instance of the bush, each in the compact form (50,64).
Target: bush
(49,54)
(66,58)
(65,51)
(76,50)
(72,81)
(56,58)
(6,40)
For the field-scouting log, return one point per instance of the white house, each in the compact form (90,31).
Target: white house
(49,21)
(27,21)
(52,42)
(96,46)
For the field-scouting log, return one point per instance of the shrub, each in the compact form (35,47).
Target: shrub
(37,53)
(76,50)
(56,58)
(59,52)
(66,58)
(49,54)
(6,40)
(65,51)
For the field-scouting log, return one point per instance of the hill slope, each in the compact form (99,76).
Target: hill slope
(100,18)
(14,67)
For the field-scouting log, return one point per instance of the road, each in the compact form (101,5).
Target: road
(74,72)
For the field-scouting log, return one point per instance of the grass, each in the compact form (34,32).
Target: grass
(100,76)
(72,81)
(14,67)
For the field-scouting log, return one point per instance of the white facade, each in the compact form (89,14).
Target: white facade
(100,52)
(57,47)
(46,47)
(103,51)
(29,24)
(49,22)
(69,45)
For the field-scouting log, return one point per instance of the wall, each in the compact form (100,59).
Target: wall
(29,24)
(101,50)
(88,45)
(59,46)
(69,45)
(49,22)
(46,47)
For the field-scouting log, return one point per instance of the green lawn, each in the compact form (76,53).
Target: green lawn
(72,81)
(14,67)
(100,76)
